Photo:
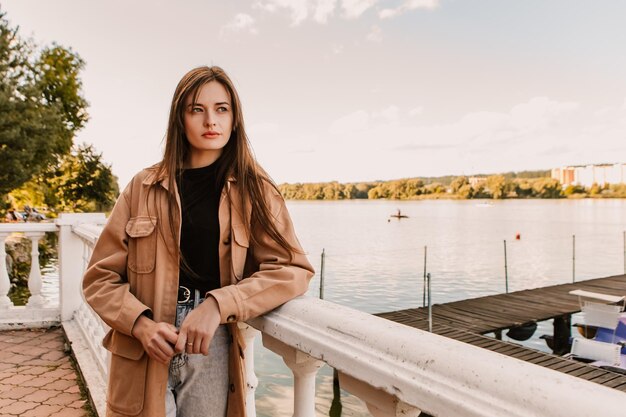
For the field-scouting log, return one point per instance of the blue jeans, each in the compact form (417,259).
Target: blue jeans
(197,385)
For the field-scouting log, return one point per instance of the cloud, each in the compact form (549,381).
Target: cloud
(416,111)
(241,23)
(388,143)
(353,122)
(375,35)
(355,8)
(300,10)
(337,48)
(321,11)
(407,6)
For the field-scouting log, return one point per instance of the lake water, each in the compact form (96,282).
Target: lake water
(375,264)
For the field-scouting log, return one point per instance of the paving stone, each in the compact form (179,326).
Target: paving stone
(40,381)
(60,384)
(64,398)
(38,362)
(59,373)
(53,344)
(40,396)
(53,356)
(34,351)
(78,404)
(5,354)
(18,407)
(70,412)
(4,366)
(18,379)
(75,389)
(15,348)
(5,401)
(42,410)
(35,370)
(16,359)
(15,393)
(7,373)
(37,377)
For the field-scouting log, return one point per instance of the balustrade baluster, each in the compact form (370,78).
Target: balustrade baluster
(304,368)
(5,284)
(249,333)
(379,402)
(34,278)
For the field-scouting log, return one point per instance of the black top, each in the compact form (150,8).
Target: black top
(200,230)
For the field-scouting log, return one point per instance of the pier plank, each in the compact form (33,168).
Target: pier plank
(468,320)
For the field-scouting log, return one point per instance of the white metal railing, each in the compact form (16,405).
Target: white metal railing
(396,370)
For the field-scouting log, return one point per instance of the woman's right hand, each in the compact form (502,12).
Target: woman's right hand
(158,339)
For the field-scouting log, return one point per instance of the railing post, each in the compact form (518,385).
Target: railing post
(34,278)
(304,368)
(70,260)
(5,284)
(249,333)
(379,402)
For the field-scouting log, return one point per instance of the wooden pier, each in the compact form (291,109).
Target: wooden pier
(468,320)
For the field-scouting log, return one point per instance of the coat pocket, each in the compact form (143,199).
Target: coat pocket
(141,243)
(239,250)
(127,373)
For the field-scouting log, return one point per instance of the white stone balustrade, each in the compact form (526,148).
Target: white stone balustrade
(37,312)
(396,370)
(424,371)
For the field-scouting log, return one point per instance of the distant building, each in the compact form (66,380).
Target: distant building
(587,175)
(476,181)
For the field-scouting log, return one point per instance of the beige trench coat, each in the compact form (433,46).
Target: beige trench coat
(134,268)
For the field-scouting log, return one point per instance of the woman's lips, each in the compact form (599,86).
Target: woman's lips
(210,134)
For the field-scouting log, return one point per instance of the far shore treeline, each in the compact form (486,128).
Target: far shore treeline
(527,184)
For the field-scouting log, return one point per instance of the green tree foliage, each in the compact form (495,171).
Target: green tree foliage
(40,106)
(397,190)
(458,183)
(547,188)
(497,186)
(79,182)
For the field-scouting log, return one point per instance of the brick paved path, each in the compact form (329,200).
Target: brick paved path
(36,376)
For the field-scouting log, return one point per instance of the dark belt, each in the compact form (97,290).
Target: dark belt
(184,295)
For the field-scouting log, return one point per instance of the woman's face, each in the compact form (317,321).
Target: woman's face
(208,124)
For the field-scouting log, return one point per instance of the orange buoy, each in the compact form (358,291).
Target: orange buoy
(518,236)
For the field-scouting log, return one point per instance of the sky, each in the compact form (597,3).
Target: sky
(357,90)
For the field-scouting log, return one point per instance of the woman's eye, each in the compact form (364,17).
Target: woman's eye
(196,109)
(222,109)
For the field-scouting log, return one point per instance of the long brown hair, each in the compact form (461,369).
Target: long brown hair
(236,160)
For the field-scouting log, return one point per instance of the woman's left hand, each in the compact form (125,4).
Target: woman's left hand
(198,328)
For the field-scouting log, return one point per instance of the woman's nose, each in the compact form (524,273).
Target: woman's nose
(209,119)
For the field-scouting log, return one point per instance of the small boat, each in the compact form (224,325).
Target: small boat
(399,215)
(523,332)
(605,315)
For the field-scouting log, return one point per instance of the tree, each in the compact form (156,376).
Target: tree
(80,182)
(497,186)
(458,183)
(41,107)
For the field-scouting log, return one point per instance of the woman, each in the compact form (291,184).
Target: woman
(194,244)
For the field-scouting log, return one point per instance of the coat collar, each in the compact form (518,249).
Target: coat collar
(152,178)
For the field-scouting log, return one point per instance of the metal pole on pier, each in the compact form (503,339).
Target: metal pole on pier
(322,275)
(624,233)
(573,258)
(506,270)
(430,307)
(424,289)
